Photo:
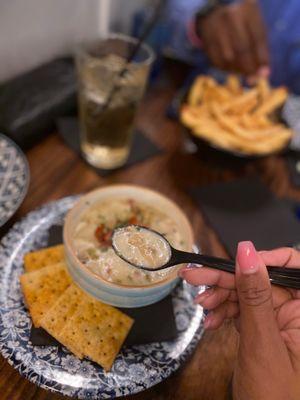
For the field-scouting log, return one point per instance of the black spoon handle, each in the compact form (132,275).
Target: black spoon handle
(288,277)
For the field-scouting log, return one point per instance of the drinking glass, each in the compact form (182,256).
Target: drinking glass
(108,99)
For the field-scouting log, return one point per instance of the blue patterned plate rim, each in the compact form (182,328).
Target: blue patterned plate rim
(25,186)
(136,368)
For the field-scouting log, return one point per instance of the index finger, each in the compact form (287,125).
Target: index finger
(198,276)
(283,257)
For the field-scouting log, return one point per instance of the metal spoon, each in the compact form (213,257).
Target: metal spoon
(132,243)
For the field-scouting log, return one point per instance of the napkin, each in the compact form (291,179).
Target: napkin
(153,323)
(142,148)
(246,209)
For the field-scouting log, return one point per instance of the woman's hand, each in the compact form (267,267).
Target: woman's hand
(268,319)
(234,38)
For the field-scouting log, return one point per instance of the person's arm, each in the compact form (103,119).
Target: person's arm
(268,319)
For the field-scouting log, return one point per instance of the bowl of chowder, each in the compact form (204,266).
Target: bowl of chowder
(93,263)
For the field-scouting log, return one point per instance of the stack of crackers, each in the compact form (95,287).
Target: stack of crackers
(87,327)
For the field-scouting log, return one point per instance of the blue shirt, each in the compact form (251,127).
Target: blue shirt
(282,18)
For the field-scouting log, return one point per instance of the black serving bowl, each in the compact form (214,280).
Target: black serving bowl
(211,150)
(208,148)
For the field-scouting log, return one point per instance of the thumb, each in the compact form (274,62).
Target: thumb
(254,290)
(262,354)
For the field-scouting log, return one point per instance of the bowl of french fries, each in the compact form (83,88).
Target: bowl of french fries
(243,122)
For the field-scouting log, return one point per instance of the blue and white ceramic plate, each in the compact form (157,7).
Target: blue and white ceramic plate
(135,369)
(14,178)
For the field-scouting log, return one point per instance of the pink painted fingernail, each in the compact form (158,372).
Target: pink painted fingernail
(247,258)
(202,296)
(182,272)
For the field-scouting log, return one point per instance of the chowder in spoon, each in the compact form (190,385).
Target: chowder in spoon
(141,247)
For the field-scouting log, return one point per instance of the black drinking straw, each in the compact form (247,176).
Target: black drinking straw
(134,52)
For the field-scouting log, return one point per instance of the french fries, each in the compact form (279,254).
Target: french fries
(230,117)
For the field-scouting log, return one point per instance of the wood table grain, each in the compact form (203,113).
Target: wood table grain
(56,171)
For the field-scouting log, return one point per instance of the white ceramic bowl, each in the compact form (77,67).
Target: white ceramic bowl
(113,293)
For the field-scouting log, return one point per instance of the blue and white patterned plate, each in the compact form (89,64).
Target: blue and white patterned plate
(135,369)
(14,178)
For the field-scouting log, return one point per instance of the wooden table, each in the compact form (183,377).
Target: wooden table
(56,171)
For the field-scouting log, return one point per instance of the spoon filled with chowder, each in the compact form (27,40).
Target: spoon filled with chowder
(92,239)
